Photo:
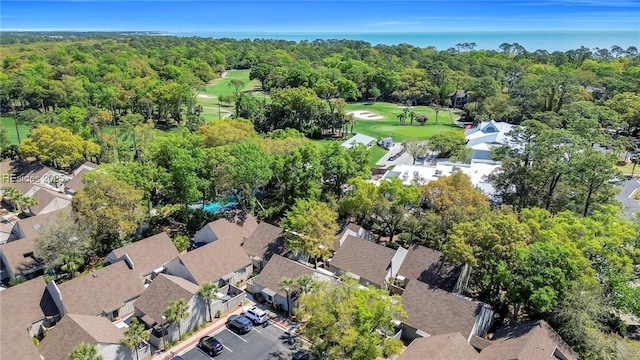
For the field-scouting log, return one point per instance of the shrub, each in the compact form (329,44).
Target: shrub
(259,298)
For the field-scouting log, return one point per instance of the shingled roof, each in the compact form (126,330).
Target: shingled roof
(265,241)
(163,290)
(19,255)
(214,260)
(278,268)
(148,254)
(364,258)
(237,227)
(74,329)
(429,266)
(440,347)
(101,291)
(438,312)
(531,340)
(21,306)
(32,227)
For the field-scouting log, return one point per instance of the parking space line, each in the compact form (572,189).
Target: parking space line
(238,336)
(226,348)
(259,332)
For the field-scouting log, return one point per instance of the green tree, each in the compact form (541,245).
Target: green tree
(85,351)
(65,235)
(225,132)
(249,168)
(4,139)
(489,246)
(288,285)
(181,155)
(347,321)
(310,228)
(134,335)
(110,207)
(175,312)
(207,293)
(416,149)
(237,86)
(448,144)
(57,146)
(70,262)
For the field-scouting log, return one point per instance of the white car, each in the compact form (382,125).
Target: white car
(255,314)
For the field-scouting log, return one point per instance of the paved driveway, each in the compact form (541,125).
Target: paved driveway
(260,343)
(629,206)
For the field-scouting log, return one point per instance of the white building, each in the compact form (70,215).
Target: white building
(486,136)
(359,139)
(421,175)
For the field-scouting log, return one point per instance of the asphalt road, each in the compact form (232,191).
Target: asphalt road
(260,343)
(629,206)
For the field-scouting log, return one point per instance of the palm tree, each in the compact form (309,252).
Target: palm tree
(27,202)
(13,195)
(207,293)
(287,285)
(306,284)
(134,335)
(175,312)
(437,110)
(85,351)
(71,262)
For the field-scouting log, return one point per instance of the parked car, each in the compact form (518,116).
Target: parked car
(239,324)
(301,355)
(255,314)
(210,345)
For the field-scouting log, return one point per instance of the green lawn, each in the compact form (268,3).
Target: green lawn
(390,124)
(627,168)
(220,87)
(10,124)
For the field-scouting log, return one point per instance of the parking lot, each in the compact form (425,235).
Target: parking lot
(260,343)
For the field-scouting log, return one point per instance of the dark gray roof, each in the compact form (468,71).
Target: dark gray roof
(103,290)
(364,258)
(265,241)
(531,340)
(164,289)
(429,266)
(438,312)
(21,306)
(440,347)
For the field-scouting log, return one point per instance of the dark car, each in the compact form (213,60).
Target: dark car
(210,345)
(301,355)
(239,324)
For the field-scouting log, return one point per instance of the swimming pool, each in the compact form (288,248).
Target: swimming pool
(214,206)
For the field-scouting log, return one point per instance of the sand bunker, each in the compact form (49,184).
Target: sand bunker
(206,96)
(365,115)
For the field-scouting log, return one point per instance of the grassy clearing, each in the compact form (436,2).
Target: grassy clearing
(627,168)
(220,87)
(9,123)
(390,125)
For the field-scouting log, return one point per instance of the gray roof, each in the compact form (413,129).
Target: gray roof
(358,139)
(364,258)
(33,226)
(450,346)
(531,340)
(74,329)
(265,241)
(429,266)
(164,289)
(214,260)
(237,227)
(20,256)
(101,291)
(150,253)
(76,183)
(21,306)
(278,268)
(438,312)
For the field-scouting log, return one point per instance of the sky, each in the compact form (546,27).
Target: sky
(320,15)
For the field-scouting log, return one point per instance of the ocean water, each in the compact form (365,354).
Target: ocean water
(559,40)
